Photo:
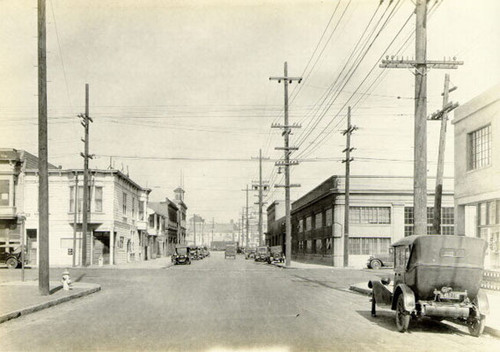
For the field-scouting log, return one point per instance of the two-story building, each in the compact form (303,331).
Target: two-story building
(181,215)
(13,164)
(115,216)
(380,212)
(477,171)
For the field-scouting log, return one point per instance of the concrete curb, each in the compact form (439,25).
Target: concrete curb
(51,303)
(368,292)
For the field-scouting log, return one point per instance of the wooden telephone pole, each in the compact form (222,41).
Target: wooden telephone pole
(443,116)
(287,129)
(43,173)
(350,129)
(86,156)
(420,64)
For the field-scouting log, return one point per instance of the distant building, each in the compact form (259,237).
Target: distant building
(275,235)
(164,227)
(477,171)
(380,212)
(181,215)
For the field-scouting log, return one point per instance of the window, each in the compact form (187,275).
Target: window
(124,203)
(369,245)
(308,223)
(447,221)
(370,215)
(492,213)
(141,210)
(328,217)
(98,199)
(402,256)
(4,192)
(79,197)
(152,220)
(319,221)
(133,207)
(479,148)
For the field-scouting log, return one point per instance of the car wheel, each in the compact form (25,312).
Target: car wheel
(402,315)
(11,263)
(375,264)
(476,327)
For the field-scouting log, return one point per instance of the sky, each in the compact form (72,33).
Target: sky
(180,90)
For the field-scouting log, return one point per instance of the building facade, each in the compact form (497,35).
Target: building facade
(477,171)
(275,234)
(380,212)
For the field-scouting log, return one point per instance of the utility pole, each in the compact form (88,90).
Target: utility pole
(86,156)
(43,168)
(242,226)
(287,129)
(75,217)
(246,216)
(194,228)
(420,64)
(260,186)
(213,225)
(443,116)
(350,129)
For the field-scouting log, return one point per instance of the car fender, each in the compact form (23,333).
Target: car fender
(381,292)
(408,297)
(481,302)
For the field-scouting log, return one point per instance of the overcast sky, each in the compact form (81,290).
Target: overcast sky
(183,86)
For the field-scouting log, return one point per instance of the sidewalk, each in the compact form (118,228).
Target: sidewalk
(21,298)
(492,320)
(298,265)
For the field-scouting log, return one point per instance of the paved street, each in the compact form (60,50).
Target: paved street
(219,304)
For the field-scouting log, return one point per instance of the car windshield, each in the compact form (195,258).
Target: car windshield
(262,250)
(182,251)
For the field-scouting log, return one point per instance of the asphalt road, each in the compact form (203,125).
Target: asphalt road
(224,305)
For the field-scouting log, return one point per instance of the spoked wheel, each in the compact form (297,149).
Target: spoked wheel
(375,264)
(402,315)
(476,326)
(11,263)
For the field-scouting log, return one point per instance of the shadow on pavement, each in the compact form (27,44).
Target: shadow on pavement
(386,319)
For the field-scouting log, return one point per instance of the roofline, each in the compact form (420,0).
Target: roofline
(80,171)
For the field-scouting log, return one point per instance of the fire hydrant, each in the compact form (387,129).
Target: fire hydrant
(66,280)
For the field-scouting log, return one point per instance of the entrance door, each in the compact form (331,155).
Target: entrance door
(31,246)
(101,247)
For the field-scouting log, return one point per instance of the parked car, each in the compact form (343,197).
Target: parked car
(262,254)
(11,256)
(438,277)
(377,261)
(276,254)
(194,253)
(205,251)
(181,255)
(249,253)
(230,251)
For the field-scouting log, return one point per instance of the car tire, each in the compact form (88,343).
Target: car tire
(12,263)
(476,326)
(375,264)
(402,315)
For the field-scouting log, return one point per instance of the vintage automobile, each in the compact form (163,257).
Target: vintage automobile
(438,277)
(276,254)
(230,251)
(194,253)
(205,252)
(377,261)
(249,253)
(11,257)
(181,255)
(262,254)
